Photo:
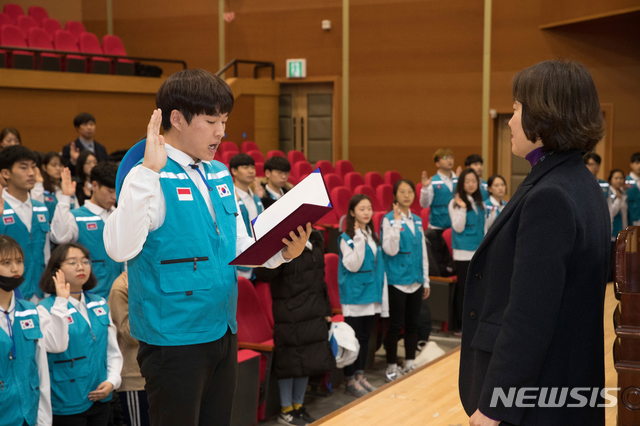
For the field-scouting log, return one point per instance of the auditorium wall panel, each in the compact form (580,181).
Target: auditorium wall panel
(553,11)
(67,10)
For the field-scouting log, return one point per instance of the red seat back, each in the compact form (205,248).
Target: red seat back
(377,221)
(76,28)
(391,177)
(446,234)
(353,179)
(6,20)
(89,43)
(340,197)
(276,153)
(13,36)
(415,206)
(256,155)
(247,146)
(325,166)
(332,180)
(39,39)
(112,45)
(228,146)
(373,179)
(369,192)
(263,290)
(343,167)
(253,325)
(50,25)
(424,215)
(384,194)
(13,10)
(38,13)
(65,41)
(259,169)
(331,279)
(25,23)
(301,169)
(226,156)
(295,156)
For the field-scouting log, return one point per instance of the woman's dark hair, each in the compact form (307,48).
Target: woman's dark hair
(55,262)
(193,92)
(10,131)
(493,178)
(592,156)
(560,105)
(477,195)
(635,157)
(397,185)
(351,220)
(49,183)
(9,247)
(82,159)
(613,172)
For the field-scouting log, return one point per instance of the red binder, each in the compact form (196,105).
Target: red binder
(271,242)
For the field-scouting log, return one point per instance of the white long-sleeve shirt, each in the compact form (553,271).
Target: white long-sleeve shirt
(391,246)
(459,221)
(58,332)
(64,228)
(142,209)
(42,347)
(617,205)
(352,259)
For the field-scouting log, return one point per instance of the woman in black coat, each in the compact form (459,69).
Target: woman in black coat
(534,296)
(301,311)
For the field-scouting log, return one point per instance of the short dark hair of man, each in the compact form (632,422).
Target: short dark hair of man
(560,105)
(83,118)
(473,158)
(55,262)
(12,154)
(277,163)
(635,157)
(241,160)
(592,156)
(193,92)
(105,174)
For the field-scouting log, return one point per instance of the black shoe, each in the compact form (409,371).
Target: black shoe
(301,413)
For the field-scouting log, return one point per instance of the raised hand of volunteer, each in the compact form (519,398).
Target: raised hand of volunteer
(296,243)
(155,154)
(67,185)
(63,288)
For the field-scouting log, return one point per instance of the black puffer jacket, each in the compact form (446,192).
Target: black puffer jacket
(300,305)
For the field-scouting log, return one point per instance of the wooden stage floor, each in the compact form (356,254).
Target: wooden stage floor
(429,396)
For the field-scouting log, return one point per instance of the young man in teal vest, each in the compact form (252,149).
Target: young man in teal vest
(85,224)
(23,218)
(243,170)
(178,226)
(436,193)
(633,190)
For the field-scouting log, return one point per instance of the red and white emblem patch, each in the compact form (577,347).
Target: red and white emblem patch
(26,324)
(70,319)
(42,218)
(184,194)
(99,311)
(92,226)
(223,190)
(8,220)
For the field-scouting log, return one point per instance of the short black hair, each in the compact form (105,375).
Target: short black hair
(193,92)
(560,106)
(105,174)
(83,118)
(592,156)
(277,163)
(635,157)
(12,154)
(55,262)
(241,160)
(473,158)
(117,155)
(10,131)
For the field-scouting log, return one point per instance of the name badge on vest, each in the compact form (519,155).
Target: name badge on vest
(70,319)
(99,311)
(42,218)
(438,186)
(184,194)
(49,199)
(223,190)
(26,324)
(8,220)
(92,226)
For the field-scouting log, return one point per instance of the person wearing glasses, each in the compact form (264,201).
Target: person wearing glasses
(84,376)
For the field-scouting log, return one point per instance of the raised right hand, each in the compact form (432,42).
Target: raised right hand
(397,212)
(67,185)
(155,154)
(74,153)
(63,288)
(459,201)
(425,179)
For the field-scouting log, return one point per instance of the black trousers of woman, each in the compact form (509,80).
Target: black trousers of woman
(461,268)
(362,326)
(404,313)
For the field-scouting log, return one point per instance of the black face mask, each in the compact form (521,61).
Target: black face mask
(10,283)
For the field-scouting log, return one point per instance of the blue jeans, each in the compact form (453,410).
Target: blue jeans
(292,390)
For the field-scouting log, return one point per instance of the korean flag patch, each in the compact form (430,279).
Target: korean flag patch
(92,226)
(99,311)
(42,218)
(223,190)
(70,319)
(8,220)
(27,324)
(184,194)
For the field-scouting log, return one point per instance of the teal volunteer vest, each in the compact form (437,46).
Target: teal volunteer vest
(19,378)
(439,213)
(406,267)
(471,237)
(183,289)
(32,243)
(365,286)
(83,366)
(245,212)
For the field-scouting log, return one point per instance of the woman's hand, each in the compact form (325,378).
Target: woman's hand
(459,201)
(74,153)
(295,246)
(102,391)
(155,154)
(397,212)
(67,185)
(425,180)
(63,288)
(425,293)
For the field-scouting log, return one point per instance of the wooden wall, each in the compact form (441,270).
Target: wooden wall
(67,10)
(564,10)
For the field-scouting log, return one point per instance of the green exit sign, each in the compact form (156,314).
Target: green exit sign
(296,68)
